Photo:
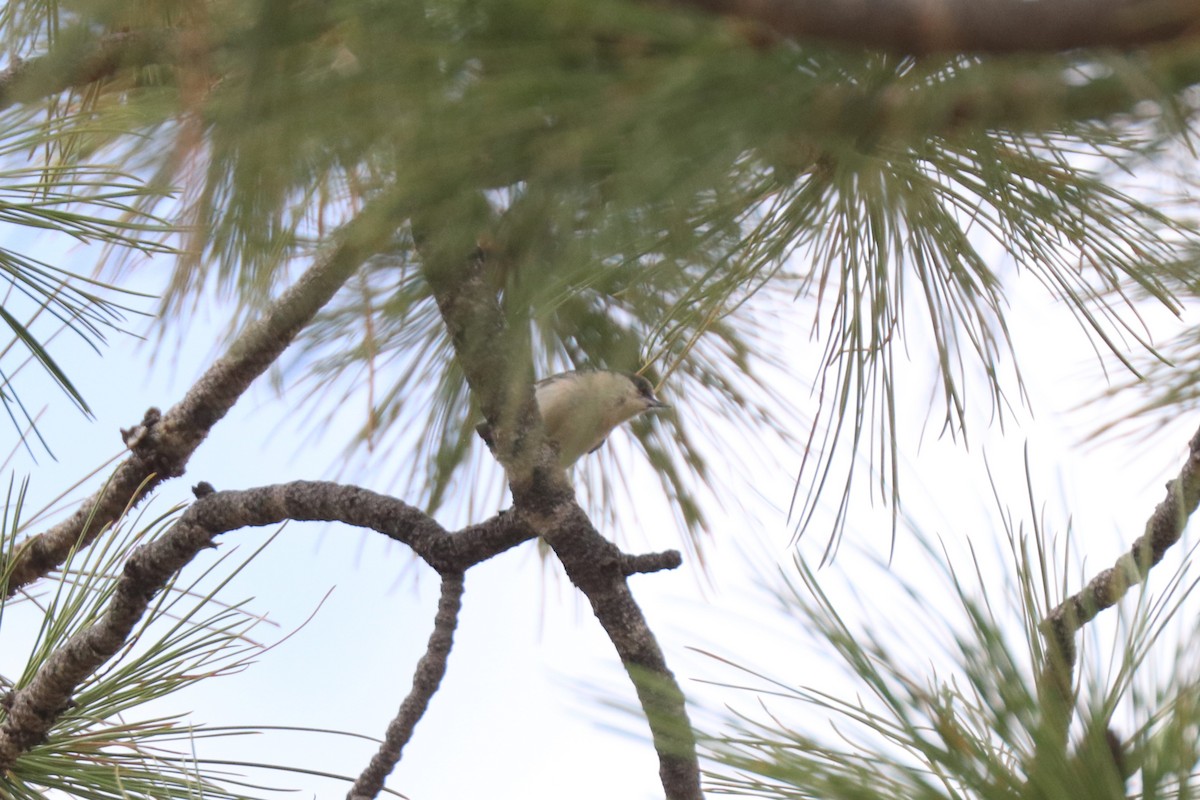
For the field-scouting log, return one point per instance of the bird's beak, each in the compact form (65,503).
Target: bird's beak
(657,405)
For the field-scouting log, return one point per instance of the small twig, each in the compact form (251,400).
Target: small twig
(650,562)
(1055,683)
(430,670)
(1163,530)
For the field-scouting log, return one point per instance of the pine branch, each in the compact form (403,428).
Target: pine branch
(1056,689)
(75,64)
(33,709)
(919,27)
(598,569)
(1163,530)
(650,562)
(162,444)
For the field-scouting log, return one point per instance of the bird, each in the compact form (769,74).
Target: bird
(581,408)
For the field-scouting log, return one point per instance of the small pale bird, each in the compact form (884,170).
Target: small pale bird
(581,408)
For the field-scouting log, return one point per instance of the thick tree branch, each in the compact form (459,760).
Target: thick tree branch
(463,284)
(162,444)
(976,26)
(598,569)
(34,708)
(322,501)
(1017,97)
(544,500)
(430,671)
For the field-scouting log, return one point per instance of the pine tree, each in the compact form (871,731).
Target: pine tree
(442,200)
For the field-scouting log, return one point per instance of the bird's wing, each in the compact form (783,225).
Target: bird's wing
(598,446)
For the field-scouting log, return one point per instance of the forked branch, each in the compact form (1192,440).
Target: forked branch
(34,708)
(544,500)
